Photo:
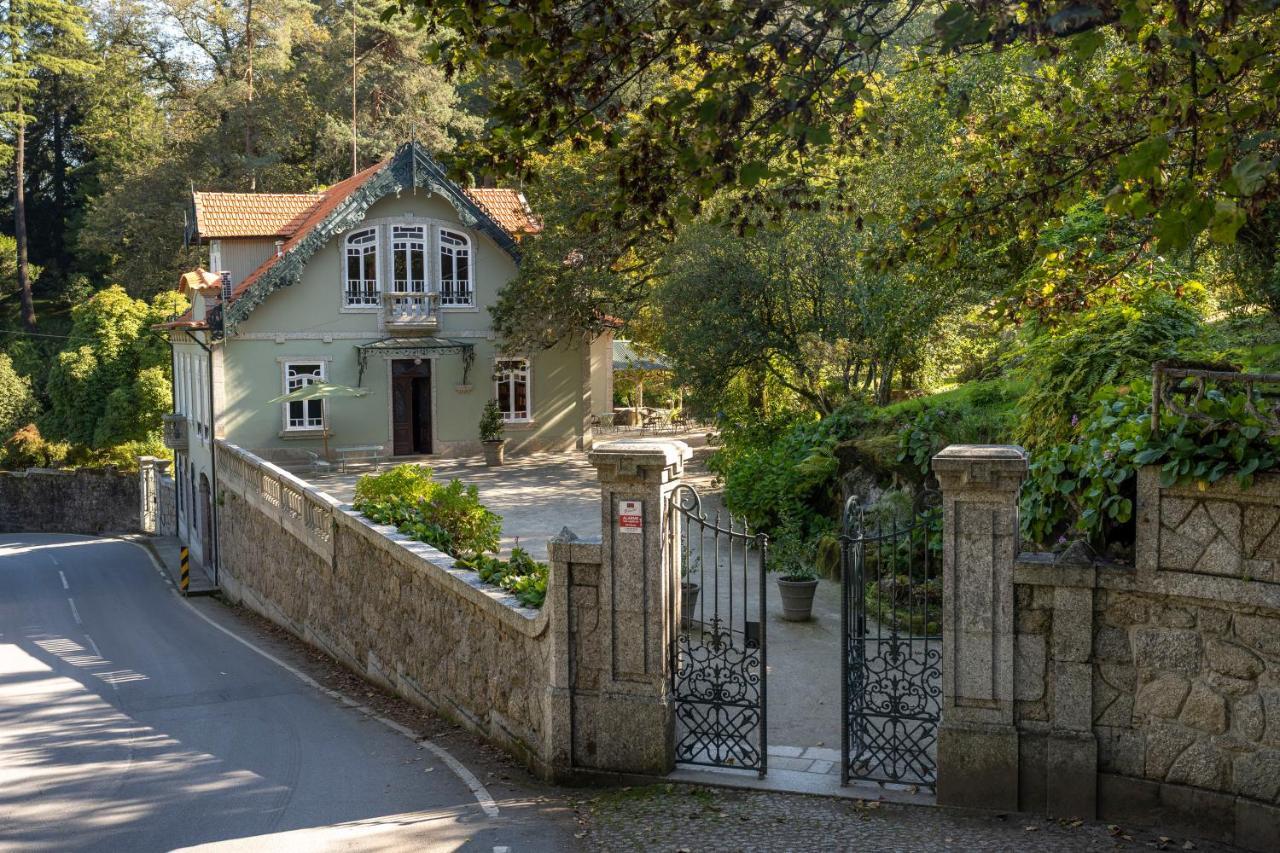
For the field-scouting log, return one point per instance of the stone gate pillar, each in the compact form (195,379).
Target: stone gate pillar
(148,493)
(977,741)
(622,710)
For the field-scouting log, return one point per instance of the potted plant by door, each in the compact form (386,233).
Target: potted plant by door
(688,592)
(491,426)
(793,559)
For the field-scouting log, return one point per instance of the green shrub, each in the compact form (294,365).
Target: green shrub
(491,423)
(985,419)
(27,448)
(522,576)
(793,556)
(123,456)
(449,517)
(409,482)
(1107,345)
(1086,488)
(456,508)
(17,401)
(787,472)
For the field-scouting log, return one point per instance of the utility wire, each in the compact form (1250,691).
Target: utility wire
(33,334)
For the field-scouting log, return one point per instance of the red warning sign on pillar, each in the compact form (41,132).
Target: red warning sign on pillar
(631,516)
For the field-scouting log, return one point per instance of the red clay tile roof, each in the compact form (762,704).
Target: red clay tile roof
(252,214)
(508,208)
(284,214)
(328,200)
(199,278)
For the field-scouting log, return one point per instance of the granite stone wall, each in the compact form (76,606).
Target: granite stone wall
(399,613)
(1164,677)
(166,507)
(89,501)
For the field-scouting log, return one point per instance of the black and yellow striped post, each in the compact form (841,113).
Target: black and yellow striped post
(184,563)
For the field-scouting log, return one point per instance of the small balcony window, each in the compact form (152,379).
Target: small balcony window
(455,269)
(361,277)
(409,258)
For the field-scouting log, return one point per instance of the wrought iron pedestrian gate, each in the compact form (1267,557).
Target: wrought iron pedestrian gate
(718,665)
(892,641)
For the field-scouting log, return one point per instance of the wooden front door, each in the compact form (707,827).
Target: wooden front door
(410,407)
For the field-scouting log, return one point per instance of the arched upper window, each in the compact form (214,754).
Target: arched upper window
(360,286)
(455,269)
(409,258)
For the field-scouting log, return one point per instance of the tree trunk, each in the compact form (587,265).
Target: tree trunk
(885,389)
(20,223)
(61,260)
(248,114)
(756,401)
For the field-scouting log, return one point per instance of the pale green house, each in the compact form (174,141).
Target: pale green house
(384,282)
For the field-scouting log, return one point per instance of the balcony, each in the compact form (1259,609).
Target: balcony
(411,311)
(175,431)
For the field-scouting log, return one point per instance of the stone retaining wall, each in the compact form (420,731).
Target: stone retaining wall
(392,609)
(166,507)
(89,501)
(1146,693)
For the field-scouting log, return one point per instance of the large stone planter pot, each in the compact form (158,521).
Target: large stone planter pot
(797,599)
(493,452)
(688,602)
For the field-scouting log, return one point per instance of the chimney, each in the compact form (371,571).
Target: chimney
(226,285)
(279,248)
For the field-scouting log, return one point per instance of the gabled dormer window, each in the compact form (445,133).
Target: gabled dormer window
(361,277)
(409,258)
(455,269)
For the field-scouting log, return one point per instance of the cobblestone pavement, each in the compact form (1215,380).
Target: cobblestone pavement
(676,818)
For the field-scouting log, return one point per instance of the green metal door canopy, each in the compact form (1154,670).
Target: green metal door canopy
(415,348)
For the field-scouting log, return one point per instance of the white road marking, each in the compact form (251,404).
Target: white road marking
(97,651)
(501,850)
(64,579)
(74,612)
(55,561)
(459,769)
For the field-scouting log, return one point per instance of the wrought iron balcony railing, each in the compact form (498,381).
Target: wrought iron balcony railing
(411,310)
(175,431)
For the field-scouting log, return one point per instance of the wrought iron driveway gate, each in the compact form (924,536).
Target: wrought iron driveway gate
(892,642)
(718,661)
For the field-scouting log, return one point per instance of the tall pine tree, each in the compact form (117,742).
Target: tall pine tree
(35,36)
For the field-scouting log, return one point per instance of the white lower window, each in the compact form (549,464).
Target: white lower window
(303,414)
(511,389)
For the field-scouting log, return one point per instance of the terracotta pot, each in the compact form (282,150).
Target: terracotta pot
(797,599)
(493,452)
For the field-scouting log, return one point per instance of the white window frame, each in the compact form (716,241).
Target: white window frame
(365,301)
(406,243)
(501,373)
(466,249)
(215,256)
(180,381)
(285,368)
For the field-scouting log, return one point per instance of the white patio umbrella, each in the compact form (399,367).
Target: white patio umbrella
(319,391)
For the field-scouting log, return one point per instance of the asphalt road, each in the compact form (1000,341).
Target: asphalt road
(130,723)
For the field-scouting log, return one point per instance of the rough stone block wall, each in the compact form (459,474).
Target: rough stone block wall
(166,507)
(1171,666)
(89,501)
(397,612)
(1188,692)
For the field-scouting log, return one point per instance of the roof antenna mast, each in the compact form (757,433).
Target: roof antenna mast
(354,160)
